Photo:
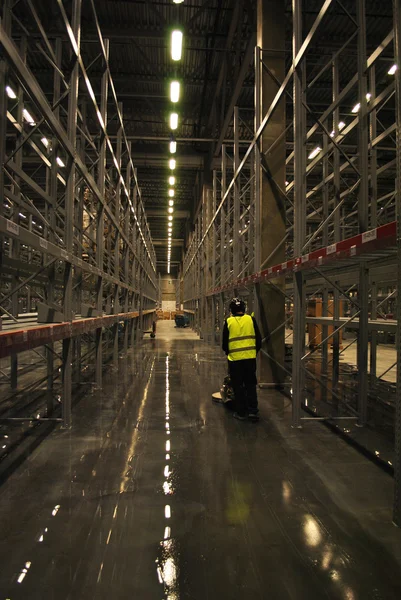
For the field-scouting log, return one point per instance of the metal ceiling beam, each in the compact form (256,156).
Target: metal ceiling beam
(163,242)
(166,138)
(156,212)
(153,9)
(127,34)
(149,79)
(161,160)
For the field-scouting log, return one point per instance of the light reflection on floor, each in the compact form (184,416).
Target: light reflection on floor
(167,566)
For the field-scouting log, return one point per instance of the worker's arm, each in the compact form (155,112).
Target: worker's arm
(258,337)
(225,337)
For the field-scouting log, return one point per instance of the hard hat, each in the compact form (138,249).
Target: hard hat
(237,306)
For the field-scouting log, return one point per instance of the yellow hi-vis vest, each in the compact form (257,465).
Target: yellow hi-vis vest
(241,340)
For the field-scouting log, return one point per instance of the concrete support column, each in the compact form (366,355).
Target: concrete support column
(298,346)
(214,244)
(363,212)
(223,249)
(271,39)
(397,445)
(70,219)
(237,185)
(100,224)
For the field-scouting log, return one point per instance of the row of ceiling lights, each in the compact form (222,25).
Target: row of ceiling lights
(176,54)
(341,124)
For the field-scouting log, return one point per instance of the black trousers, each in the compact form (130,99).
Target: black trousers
(243,380)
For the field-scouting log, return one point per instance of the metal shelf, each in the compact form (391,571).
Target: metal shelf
(34,335)
(307,211)
(371,245)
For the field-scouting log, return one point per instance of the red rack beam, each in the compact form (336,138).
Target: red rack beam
(20,340)
(363,243)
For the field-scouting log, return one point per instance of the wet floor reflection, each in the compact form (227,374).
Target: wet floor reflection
(337,399)
(167,568)
(175,499)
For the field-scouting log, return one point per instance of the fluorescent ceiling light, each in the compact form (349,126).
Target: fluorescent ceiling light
(45,142)
(173,120)
(172,163)
(28,117)
(390,71)
(178,1)
(175,91)
(10,92)
(171,180)
(314,152)
(60,162)
(173,147)
(171,202)
(176,44)
(171,193)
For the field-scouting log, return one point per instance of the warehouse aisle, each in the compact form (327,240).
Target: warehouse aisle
(157,493)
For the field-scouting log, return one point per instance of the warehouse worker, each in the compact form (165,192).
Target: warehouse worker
(241,342)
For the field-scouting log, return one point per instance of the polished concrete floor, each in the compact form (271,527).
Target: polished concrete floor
(156,493)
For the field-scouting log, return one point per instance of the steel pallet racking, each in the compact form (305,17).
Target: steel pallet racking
(75,242)
(338,197)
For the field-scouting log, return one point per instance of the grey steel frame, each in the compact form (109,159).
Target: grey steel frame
(75,223)
(334,196)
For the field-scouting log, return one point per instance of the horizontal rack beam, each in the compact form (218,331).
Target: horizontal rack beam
(362,244)
(20,340)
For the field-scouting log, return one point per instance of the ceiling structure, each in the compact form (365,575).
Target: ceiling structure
(215,73)
(216,35)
